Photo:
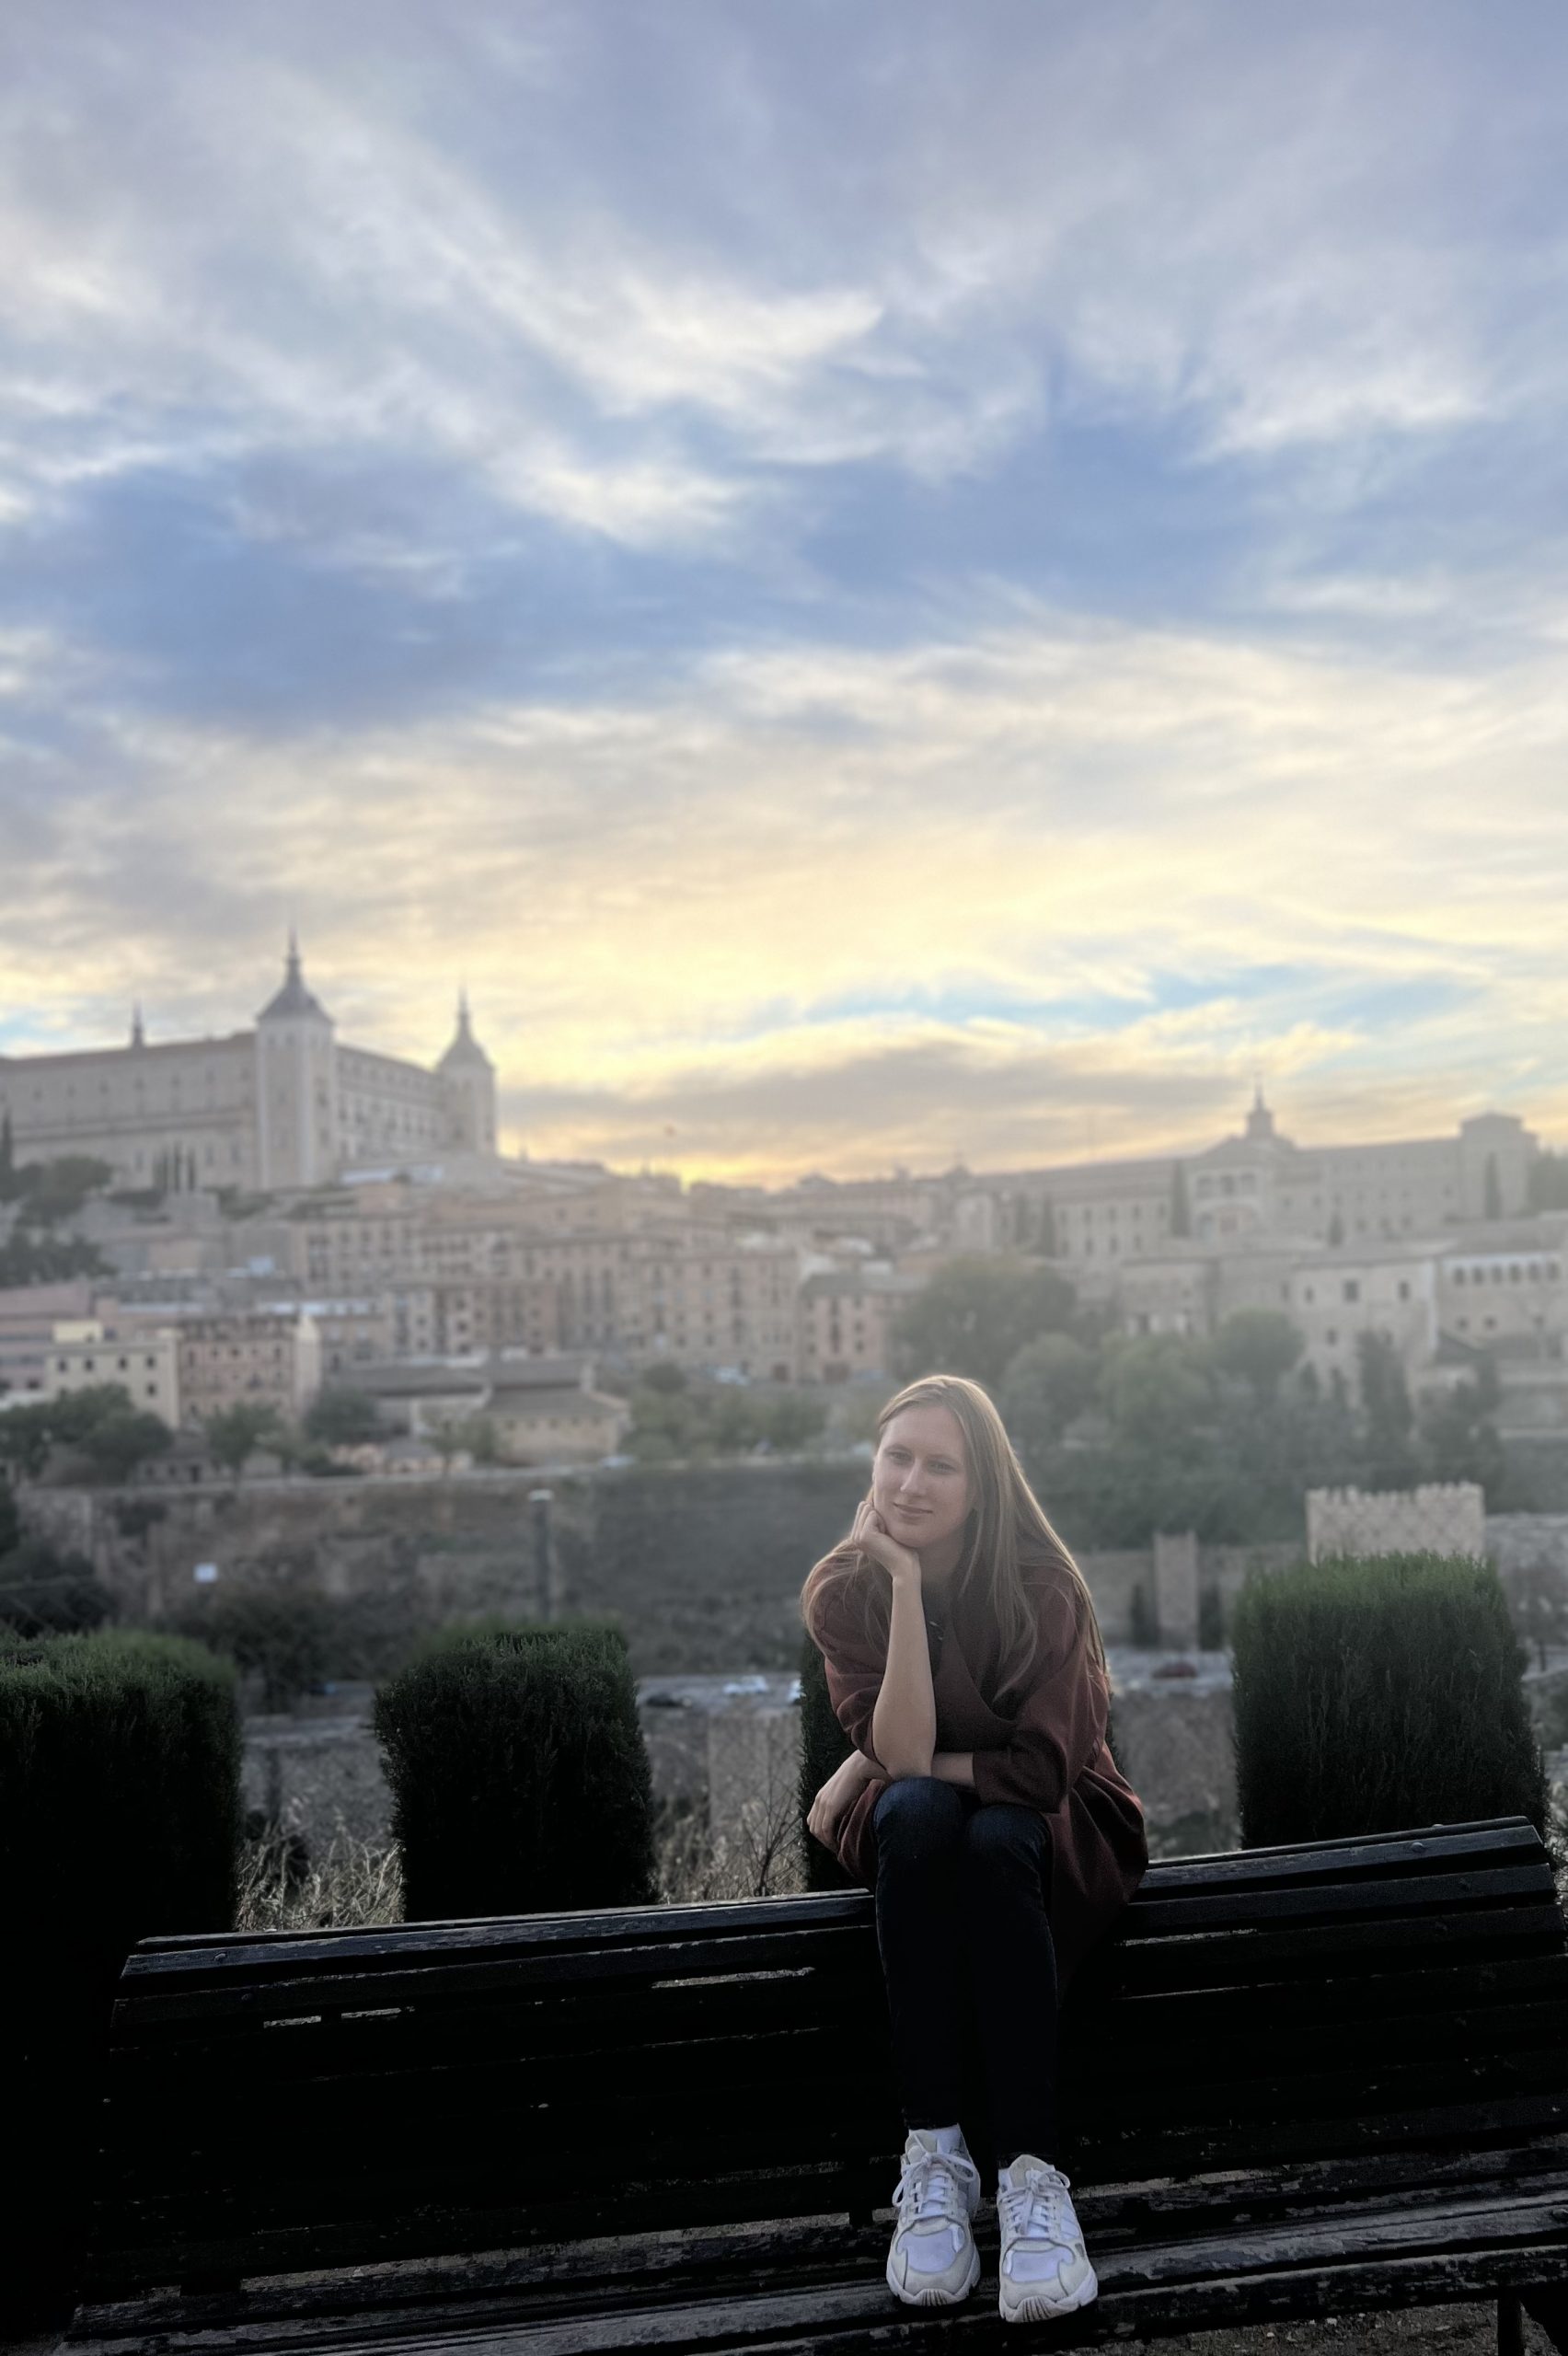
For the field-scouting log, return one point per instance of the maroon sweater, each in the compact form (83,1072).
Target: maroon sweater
(1042,1746)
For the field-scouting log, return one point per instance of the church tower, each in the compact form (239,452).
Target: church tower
(467,1080)
(297,1086)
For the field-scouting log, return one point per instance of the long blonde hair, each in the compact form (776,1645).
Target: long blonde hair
(1007,1531)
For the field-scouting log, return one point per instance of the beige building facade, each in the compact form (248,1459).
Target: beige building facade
(86,1353)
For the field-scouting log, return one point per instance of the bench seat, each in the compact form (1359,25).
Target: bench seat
(1300,2081)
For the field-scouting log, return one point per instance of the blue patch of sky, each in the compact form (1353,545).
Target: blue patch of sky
(1097,517)
(1045,1009)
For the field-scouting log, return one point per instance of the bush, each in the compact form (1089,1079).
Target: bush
(1375,1693)
(281,1635)
(519,1775)
(1211,1619)
(824,1746)
(119,1789)
(43,1592)
(118,1821)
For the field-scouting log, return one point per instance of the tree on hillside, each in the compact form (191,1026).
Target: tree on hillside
(1046,1384)
(343,1418)
(1392,1460)
(1158,1389)
(97,1424)
(974,1316)
(57,1189)
(233,1434)
(1258,1344)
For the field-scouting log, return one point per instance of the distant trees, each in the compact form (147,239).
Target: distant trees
(99,1428)
(1048,1383)
(974,1316)
(673,1417)
(1260,1345)
(343,1419)
(236,1434)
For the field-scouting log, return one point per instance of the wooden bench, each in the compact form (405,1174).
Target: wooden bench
(1297,2082)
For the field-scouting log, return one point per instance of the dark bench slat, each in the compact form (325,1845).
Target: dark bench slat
(848,1950)
(412,1981)
(1385,1854)
(467,2291)
(192,1954)
(1227,1958)
(211,2212)
(1214,2279)
(1437,1892)
(1223,2035)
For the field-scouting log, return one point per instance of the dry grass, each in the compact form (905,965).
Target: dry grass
(351,1885)
(760,1855)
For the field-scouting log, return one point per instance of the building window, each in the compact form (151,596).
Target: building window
(1351,1288)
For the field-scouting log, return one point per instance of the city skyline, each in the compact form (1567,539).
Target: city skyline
(960,606)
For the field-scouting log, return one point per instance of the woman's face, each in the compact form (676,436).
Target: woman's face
(920,1479)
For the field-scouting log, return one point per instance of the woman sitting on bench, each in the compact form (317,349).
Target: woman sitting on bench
(982,1806)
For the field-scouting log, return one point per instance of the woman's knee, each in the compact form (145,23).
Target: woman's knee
(1004,1838)
(918,1813)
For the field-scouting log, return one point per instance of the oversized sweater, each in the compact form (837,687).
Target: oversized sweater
(1042,1746)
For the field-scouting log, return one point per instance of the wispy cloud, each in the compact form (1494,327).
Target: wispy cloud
(875,580)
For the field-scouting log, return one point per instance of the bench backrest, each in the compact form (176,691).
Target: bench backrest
(287,2101)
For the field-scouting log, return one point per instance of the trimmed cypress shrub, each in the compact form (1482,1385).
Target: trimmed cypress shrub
(1379,1693)
(824,1746)
(119,1789)
(519,1775)
(118,1821)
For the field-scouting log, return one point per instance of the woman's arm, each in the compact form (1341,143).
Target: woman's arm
(904,1723)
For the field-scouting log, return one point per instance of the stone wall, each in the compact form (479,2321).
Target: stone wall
(1441,1518)
(703,1564)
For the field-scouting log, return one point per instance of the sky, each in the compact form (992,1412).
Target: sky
(881,583)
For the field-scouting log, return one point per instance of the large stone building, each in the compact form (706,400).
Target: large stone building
(285,1105)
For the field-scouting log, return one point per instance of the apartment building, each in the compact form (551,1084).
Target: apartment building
(85,1353)
(847,1320)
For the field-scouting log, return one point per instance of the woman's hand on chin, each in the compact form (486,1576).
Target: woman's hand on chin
(871,1535)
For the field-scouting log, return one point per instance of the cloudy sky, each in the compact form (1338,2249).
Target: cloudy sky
(878,580)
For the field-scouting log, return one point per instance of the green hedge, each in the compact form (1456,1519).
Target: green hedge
(1377,1692)
(118,1821)
(519,1775)
(118,1788)
(824,1746)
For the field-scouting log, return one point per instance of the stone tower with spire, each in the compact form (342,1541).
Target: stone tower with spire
(467,1081)
(296,1085)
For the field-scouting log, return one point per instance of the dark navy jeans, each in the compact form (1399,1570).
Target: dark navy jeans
(966,1951)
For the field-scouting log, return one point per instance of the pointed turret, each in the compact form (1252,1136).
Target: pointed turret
(468,1076)
(293,1000)
(1260,1120)
(138,1036)
(464,1054)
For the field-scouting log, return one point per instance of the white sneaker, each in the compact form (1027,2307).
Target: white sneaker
(933,2261)
(1044,2270)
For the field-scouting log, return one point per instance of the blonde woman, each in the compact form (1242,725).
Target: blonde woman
(981,1805)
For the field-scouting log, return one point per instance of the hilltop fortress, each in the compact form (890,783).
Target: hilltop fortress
(283,1105)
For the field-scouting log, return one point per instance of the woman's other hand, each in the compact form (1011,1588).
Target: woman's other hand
(838,1795)
(871,1534)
